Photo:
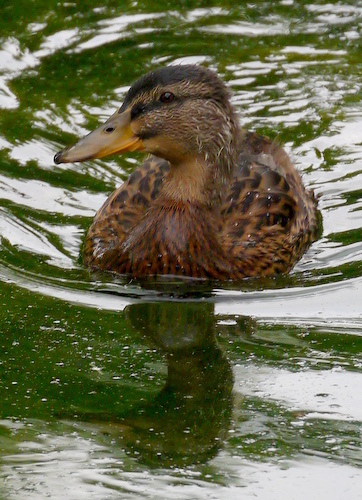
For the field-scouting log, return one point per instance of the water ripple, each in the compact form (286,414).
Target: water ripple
(78,342)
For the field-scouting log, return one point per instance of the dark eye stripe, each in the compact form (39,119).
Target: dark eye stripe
(141,108)
(137,109)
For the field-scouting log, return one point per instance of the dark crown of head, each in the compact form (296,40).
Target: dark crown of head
(169,75)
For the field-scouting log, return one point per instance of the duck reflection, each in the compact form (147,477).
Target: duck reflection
(190,417)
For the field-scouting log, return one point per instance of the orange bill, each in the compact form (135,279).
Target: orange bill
(114,136)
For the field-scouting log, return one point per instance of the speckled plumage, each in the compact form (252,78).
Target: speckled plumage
(245,213)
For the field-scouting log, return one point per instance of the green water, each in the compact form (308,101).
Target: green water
(113,388)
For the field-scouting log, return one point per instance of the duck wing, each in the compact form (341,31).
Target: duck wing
(268,218)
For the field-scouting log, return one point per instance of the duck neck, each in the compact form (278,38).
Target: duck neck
(187,182)
(200,179)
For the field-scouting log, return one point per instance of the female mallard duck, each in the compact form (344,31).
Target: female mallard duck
(214,201)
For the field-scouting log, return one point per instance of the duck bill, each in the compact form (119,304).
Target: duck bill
(114,136)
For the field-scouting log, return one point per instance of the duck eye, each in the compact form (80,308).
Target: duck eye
(167,97)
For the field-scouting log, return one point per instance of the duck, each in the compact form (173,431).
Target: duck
(211,200)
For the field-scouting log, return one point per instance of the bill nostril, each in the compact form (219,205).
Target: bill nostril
(109,130)
(57,158)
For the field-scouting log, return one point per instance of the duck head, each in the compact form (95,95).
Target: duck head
(175,112)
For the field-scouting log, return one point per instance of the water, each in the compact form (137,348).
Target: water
(113,388)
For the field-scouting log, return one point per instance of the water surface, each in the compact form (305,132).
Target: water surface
(115,388)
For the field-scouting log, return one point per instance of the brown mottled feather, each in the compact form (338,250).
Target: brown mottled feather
(214,201)
(264,223)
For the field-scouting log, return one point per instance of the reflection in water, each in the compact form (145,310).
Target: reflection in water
(296,395)
(293,395)
(189,418)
